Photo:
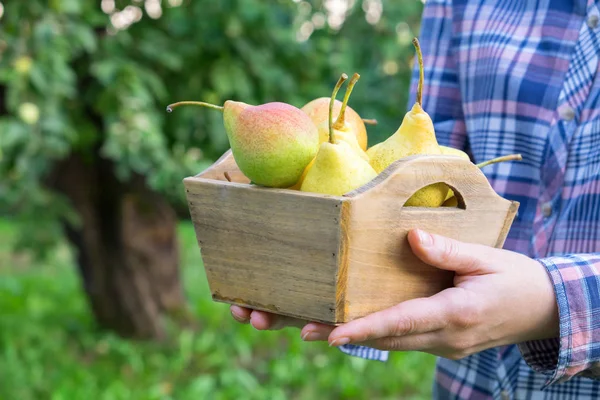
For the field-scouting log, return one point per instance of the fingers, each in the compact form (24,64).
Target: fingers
(240,314)
(262,320)
(316,332)
(427,342)
(431,343)
(408,318)
(450,254)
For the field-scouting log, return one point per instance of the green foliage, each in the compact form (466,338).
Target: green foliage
(71,82)
(49,348)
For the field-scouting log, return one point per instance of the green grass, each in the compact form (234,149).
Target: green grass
(50,349)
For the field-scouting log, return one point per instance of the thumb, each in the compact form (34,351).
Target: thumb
(449,254)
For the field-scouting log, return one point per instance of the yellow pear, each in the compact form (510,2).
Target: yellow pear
(416,135)
(298,184)
(372,150)
(337,169)
(345,135)
(451,151)
(451,202)
(342,129)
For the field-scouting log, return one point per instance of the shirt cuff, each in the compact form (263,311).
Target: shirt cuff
(576,281)
(364,352)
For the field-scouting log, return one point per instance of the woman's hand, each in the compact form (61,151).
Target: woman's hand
(500,297)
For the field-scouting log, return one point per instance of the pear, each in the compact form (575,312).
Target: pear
(344,134)
(416,135)
(451,200)
(372,150)
(318,110)
(271,143)
(337,168)
(298,184)
(342,129)
(451,151)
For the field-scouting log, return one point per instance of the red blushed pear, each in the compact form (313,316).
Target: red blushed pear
(271,143)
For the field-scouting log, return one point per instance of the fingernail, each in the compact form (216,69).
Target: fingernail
(425,238)
(239,318)
(306,335)
(339,342)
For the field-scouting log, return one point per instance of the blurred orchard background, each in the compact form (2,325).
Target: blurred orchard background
(102,289)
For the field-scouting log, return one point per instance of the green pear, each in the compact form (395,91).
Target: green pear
(271,143)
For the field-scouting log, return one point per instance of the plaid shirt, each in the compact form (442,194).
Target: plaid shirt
(522,76)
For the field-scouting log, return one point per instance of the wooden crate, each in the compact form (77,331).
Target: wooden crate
(335,258)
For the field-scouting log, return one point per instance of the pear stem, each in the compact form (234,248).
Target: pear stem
(342,116)
(369,121)
(337,87)
(170,107)
(510,157)
(421,74)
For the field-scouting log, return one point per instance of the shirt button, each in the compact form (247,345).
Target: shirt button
(504,395)
(547,210)
(592,21)
(567,113)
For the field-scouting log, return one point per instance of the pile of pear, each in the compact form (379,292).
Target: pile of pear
(281,146)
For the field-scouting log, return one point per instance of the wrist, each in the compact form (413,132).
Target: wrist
(544,306)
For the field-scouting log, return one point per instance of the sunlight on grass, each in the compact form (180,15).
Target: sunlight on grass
(49,348)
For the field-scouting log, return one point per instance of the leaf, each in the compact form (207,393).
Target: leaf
(66,6)
(154,82)
(38,79)
(202,386)
(105,71)
(87,39)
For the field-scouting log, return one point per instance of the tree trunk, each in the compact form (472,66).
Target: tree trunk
(126,247)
